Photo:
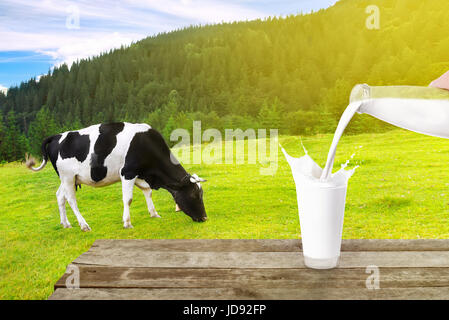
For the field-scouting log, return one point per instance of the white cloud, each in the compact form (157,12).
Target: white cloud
(37,41)
(3,89)
(78,48)
(65,48)
(206,11)
(40,26)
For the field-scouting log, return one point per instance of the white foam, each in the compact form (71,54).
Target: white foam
(306,172)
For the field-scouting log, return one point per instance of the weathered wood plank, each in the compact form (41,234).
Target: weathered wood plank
(268,245)
(395,245)
(257,269)
(202,245)
(249,294)
(123,277)
(122,257)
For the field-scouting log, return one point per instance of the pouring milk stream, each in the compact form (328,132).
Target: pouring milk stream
(321,194)
(420,109)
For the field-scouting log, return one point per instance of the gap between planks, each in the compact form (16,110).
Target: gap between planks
(269,245)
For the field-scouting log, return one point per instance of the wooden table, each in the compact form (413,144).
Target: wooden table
(257,269)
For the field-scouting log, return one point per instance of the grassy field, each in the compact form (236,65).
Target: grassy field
(399,191)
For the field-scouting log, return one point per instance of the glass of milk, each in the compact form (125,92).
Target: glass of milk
(321,205)
(321,213)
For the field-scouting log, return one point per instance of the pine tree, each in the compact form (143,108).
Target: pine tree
(2,139)
(42,127)
(155,119)
(15,144)
(169,127)
(269,116)
(86,111)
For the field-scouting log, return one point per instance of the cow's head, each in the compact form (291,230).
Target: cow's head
(189,198)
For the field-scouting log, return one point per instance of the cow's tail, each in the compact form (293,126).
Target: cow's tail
(30,161)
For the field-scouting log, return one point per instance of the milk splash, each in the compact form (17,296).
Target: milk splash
(307,172)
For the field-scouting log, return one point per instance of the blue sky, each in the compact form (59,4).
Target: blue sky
(39,34)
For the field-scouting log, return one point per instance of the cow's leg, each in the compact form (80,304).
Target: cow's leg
(69,192)
(127,190)
(61,203)
(147,192)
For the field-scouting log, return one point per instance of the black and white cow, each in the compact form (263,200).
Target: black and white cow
(134,154)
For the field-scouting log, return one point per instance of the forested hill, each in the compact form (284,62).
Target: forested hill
(292,73)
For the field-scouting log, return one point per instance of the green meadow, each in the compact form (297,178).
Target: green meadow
(401,190)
